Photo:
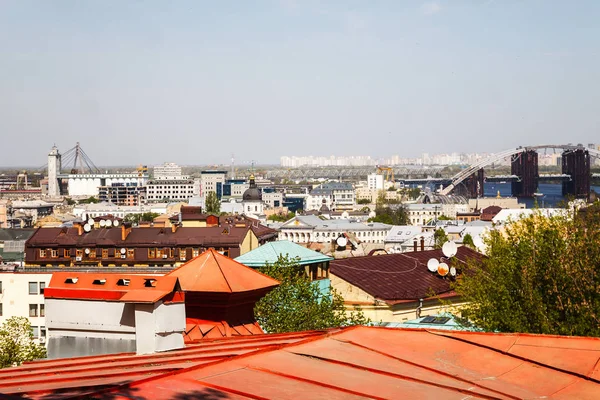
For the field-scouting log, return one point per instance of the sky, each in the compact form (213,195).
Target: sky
(145,82)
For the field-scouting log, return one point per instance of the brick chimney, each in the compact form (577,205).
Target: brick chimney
(125,231)
(415,244)
(422,243)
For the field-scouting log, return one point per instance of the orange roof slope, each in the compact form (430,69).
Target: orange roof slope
(357,362)
(111,287)
(213,272)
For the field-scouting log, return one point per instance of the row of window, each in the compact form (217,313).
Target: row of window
(37,310)
(89,253)
(170,192)
(34,287)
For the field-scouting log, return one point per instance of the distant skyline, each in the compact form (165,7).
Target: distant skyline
(144,82)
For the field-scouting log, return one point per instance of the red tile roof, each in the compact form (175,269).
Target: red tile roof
(359,362)
(397,277)
(112,287)
(216,273)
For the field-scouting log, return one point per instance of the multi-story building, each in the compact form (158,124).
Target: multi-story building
(101,209)
(22,295)
(125,194)
(212,181)
(234,188)
(335,195)
(168,171)
(375,182)
(310,228)
(172,190)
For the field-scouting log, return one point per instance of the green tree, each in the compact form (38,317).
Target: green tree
(468,241)
(70,201)
(540,276)
(297,304)
(212,204)
(363,201)
(143,217)
(439,238)
(89,200)
(281,217)
(16,343)
(392,215)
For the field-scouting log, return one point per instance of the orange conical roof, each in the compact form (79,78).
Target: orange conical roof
(214,272)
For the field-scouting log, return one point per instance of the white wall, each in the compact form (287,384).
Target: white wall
(15,297)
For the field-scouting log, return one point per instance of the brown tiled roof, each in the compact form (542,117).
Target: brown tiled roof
(397,277)
(488,213)
(152,237)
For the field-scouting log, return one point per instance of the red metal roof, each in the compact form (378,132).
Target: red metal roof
(198,329)
(359,362)
(112,287)
(395,278)
(214,272)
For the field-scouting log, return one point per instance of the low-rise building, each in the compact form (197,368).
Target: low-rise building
(305,229)
(335,195)
(397,287)
(161,190)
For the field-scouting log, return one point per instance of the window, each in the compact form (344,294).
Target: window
(79,253)
(33,288)
(67,253)
(42,287)
(42,253)
(42,310)
(195,252)
(0,287)
(152,253)
(92,253)
(33,310)
(104,253)
(54,253)
(0,309)
(42,331)
(130,253)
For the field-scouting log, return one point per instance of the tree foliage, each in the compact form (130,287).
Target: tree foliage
(140,217)
(541,276)
(281,217)
(396,215)
(16,343)
(212,204)
(89,200)
(468,241)
(439,238)
(363,201)
(297,304)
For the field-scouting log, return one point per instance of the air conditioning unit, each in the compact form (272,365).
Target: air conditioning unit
(164,256)
(123,256)
(42,340)
(78,258)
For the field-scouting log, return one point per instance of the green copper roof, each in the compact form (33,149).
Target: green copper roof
(269,252)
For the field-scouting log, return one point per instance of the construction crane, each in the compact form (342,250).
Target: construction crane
(142,170)
(388,173)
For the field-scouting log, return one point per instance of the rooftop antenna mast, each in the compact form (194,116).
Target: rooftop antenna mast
(232,166)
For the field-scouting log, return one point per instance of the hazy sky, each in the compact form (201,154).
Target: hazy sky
(193,81)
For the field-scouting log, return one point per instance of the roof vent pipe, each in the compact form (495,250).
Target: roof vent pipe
(422,243)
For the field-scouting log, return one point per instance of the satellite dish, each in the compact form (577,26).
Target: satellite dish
(87,228)
(443,269)
(87,251)
(452,271)
(91,222)
(432,264)
(116,222)
(449,249)
(123,250)
(102,223)
(108,223)
(342,241)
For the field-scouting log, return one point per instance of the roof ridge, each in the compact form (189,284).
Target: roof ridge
(221,269)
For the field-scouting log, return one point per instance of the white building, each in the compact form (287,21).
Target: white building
(375,181)
(54,166)
(22,295)
(101,209)
(88,184)
(252,202)
(211,181)
(335,195)
(273,199)
(172,190)
(310,228)
(169,171)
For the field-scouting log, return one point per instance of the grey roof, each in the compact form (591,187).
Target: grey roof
(336,224)
(401,233)
(329,187)
(15,234)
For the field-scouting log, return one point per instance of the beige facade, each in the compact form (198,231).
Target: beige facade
(380,311)
(22,295)
(502,202)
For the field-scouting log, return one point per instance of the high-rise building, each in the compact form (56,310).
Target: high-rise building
(54,166)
